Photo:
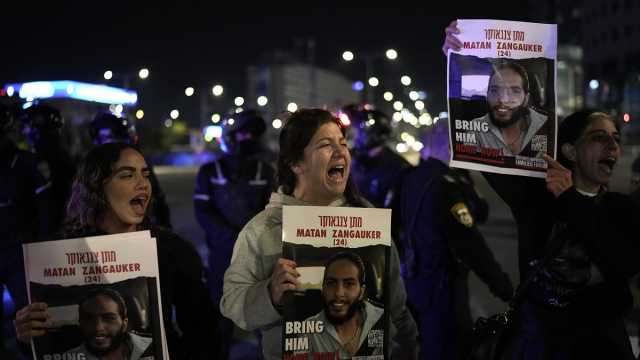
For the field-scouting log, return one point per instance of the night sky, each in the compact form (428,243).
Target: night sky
(200,44)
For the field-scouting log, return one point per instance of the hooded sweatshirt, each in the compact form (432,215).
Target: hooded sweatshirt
(246,297)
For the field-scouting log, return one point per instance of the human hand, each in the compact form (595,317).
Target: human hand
(283,277)
(558,178)
(32,321)
(451,41)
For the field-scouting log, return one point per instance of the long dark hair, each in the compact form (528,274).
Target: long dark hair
(294,137)
(573,126)
(88,200)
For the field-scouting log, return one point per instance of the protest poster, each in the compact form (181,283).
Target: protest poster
(103,295)
(342,256)
(502,97)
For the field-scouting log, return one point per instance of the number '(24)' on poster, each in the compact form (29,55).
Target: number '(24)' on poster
(338,311)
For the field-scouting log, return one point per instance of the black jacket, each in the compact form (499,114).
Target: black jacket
(440,227)
(601,230)
(229,192)
(25,199)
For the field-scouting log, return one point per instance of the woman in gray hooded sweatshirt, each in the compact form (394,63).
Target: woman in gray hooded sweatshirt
(313,169)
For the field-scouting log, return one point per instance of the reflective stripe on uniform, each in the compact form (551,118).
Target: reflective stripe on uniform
(201,197)
(43,188)
(258,179)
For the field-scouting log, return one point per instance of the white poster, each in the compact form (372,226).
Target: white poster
(103,294)
(350,246)
(502,96)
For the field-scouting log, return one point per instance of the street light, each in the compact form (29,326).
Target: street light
(398,105)
(189,91)
(405,80)
(388,95)
(143,73)
(413,95)
(262,100)
(276,123)
(368,58)
(108,75)
(217,90)
(174,114)
(238,101)
(292,107)
(215,118)
(139,114)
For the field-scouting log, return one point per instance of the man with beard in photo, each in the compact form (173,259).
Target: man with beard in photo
(347,317)
(103,325)
(511,123)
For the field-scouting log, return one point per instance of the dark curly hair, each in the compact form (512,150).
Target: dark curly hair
(112,294)
(354,258)
(88,200)
(573,126)
(294,137)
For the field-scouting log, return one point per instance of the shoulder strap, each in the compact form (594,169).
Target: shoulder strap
(553,248)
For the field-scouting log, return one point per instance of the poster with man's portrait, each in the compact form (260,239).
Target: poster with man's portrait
(341,255)
(102,295)
(502,97)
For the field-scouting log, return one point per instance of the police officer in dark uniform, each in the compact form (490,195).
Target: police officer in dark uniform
(635,180)
(25,209)
(230,191)
(439,233)
(106,128)
(375,168)
(42,125)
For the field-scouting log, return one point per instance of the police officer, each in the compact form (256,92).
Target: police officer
(635,180)
(230,191)
(25,208)
(375,168)
(42,126)
(439,232)
(106,128)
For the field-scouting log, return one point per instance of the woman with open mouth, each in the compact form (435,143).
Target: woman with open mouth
(111,194)
(313,169)
(577,242)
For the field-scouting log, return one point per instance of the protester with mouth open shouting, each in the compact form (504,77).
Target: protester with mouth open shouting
(575,304)
(313,169)
(111,194)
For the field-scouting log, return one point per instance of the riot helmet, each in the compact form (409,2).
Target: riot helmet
(42,125)
(6,120)
(107,128)
(241,132)
(370,128)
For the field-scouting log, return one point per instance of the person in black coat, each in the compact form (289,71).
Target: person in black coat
(440,243)
(25,208)
(111,195)
(575,305)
